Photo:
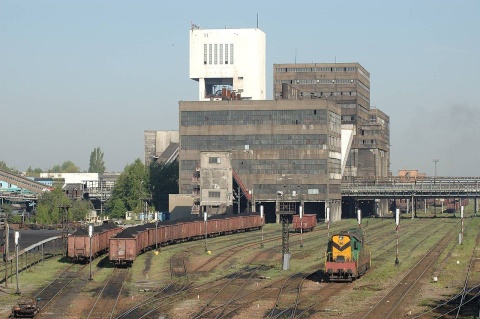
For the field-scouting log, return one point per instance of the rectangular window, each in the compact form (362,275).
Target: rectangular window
(226,53)
(231,53)
(204,54)
(221,54)
(209,54)
(214,160)
(214,194)
(215,53)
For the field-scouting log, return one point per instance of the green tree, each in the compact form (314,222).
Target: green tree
(131,188)
(97,164)
(66,167)
(47,207)
(34,172)
(163,181)
(4,166)
(70,167)
(117,208)
(79,210)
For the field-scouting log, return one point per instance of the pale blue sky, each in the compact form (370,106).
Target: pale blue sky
(75,75)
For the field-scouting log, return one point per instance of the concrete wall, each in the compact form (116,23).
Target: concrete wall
(155,142)
(180,206)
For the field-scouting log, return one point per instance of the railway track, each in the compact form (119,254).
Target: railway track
(108,297)
(229,305)
(389,305)
(48,295)
(210,264)
(286,304)
(295,300)
(465,303)
(223,296)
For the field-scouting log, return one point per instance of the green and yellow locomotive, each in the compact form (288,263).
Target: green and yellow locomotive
(347,257)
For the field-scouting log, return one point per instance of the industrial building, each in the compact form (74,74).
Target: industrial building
(348,85)
(237,154)
(237,151)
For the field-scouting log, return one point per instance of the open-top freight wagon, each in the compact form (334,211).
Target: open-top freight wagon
(79,242)
(306,223)
(125,246)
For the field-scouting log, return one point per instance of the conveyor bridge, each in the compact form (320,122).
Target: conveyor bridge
(439,187)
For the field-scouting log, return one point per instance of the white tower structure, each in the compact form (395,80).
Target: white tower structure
(233,59)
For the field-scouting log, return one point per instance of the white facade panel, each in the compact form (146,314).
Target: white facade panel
(72,178)
(228,57)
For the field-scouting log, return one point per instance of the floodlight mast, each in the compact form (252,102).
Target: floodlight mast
(17,237)
(301,225)
(397,223)
(90,234)
(261,217)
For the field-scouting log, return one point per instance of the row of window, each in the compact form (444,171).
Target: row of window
(216,51)
(295,166)
(253,117)
(317,81)
(366,142)
(348,118)
(214,194)
(270,162)
(238,142)
(322,69)
(214,160)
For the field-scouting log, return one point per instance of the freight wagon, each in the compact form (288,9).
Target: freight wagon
(79,242)
(347,256)
(306,223)
(125,246)
(454,205)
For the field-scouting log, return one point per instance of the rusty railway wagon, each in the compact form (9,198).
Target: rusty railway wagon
(133,241)
(306,223)
(347,256)
(79,242)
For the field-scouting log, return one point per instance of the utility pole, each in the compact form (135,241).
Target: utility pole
(436,160)
(5,244)
(261,217)
(205,218)
(64,213)
(90,235)
(17,236)
(397,222)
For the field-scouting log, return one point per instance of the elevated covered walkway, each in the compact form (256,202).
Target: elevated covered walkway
(23,182)
(394,188)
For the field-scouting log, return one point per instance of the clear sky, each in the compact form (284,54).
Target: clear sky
(75,75)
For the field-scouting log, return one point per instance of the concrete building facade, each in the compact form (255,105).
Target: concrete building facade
(228,58)
(157,142)
(280,150)
(348,85)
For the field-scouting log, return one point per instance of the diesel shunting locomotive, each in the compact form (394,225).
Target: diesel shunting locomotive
(347,256)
